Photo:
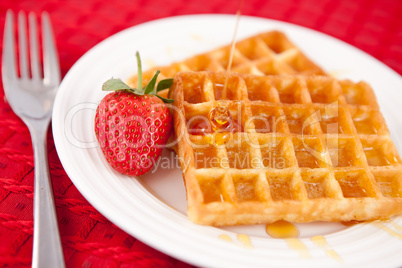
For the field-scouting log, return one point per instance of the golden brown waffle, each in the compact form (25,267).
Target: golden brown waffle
(268,53)
(304,149)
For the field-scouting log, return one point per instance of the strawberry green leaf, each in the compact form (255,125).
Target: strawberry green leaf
(149,88)
(136,91)
(165,100)
(114,84)
(164,84)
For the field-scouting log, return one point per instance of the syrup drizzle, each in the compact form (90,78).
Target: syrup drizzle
(380,224)
(289,232)
(297,245)
(244,240)
(389,230)
(320,241)
(220,117)
(232,49)
(222,123)
(396,226)
(225,237)
(286,230)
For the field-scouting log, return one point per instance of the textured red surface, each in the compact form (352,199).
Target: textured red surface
(90,240)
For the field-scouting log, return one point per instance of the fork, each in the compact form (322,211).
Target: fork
(31,98)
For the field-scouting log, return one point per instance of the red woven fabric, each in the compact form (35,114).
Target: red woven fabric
(90,240)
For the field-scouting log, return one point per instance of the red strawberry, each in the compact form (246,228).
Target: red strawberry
(133,125)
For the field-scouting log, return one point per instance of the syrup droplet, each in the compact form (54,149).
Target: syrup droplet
(282,229)
(220,138)
(220,117)
(222,123)
(320,241)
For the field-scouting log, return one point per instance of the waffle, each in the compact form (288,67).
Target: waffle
(267,53)
(302,149)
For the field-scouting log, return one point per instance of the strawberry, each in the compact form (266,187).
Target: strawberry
(132,125)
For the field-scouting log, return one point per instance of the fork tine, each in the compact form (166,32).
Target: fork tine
(22,39)
(51,65)
(33,42)
(9,69)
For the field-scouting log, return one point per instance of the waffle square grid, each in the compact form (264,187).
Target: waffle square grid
(267,53)
(307,148)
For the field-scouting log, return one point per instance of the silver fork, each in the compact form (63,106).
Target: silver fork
(31,97)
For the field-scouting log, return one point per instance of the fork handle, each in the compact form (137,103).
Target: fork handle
(47,250)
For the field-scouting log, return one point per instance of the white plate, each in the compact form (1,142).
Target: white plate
(153,208)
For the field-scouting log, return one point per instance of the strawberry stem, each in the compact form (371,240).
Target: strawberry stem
(114,84)
(139,70)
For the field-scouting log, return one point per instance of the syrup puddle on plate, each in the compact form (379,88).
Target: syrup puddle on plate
(288,231)
(282,229)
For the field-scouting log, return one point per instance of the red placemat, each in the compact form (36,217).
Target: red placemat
(89,239)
